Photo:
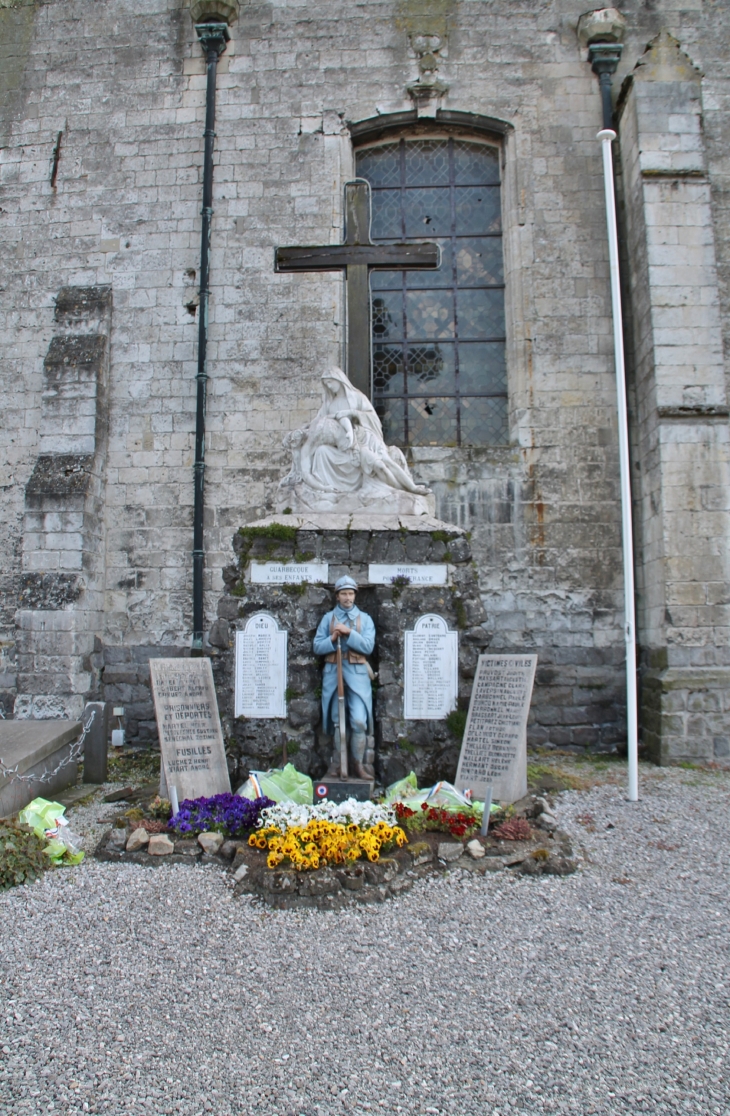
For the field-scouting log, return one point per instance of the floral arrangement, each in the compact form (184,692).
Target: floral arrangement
(436,817)
(321,842)
(350,812)
(222,813)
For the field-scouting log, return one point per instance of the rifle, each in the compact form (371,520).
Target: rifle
(341,711)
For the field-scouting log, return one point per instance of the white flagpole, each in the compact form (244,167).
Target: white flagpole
(607,136)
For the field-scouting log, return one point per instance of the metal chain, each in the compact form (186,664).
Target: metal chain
(12,774)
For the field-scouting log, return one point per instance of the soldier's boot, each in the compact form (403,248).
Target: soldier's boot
(358,746)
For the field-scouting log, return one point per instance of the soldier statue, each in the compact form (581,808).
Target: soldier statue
(356,634)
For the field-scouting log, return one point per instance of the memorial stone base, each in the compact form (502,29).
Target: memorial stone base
(429,747)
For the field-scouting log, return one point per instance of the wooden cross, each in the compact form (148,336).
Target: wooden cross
(358,256)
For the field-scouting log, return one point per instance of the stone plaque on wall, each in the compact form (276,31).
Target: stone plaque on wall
(431,682)
(494,749)
(288,573)
(435,574)
(261,668)
(191,740)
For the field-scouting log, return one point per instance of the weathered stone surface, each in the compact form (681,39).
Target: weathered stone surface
(428,747)
(36,748)
(117,840)
(139,839)
(541,507)
(352,879)
(210,842)
(187,848)
(475,849)
(160,845)
(420,852)
(449,850)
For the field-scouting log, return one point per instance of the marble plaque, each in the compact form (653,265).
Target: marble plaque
(288,573)
(191,741)
(494,749)
(417,575)
(431,670)
(261,668)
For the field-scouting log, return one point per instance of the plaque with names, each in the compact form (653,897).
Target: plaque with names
(431,671)
(191,740)
(288,573)
(494,749)
(417,575)
(261,668)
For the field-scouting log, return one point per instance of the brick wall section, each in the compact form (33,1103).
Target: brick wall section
(125,87)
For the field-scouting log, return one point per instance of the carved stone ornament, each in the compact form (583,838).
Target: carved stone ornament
(428,49)
(340,462)
(224,11)
(604,25)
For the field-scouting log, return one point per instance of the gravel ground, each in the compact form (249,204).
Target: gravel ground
(129,990)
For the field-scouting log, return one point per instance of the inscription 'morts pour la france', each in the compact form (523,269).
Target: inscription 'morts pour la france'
(289,573)
(191,740)
(494,749)
(261,668)
(431,682)
(416,575)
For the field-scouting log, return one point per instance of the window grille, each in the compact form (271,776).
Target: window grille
(438,337)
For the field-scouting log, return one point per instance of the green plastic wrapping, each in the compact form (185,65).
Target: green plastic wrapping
(403,789)
(280,784)
(41,815)
(444,795)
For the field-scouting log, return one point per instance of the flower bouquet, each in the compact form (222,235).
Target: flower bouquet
(222,813)
(328,833)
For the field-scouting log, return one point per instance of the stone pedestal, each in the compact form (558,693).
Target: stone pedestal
(431,748)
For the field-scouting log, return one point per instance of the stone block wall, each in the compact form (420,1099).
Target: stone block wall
(101,123)
(431,748)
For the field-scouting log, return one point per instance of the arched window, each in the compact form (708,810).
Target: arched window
(438,337)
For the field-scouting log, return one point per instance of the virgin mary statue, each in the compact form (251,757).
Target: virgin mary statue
(340,460)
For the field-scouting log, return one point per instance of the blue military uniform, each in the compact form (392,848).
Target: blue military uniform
(356,675)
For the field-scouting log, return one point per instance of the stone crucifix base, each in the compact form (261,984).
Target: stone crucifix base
(428,747)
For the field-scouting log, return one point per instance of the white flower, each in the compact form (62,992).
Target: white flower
(363,814)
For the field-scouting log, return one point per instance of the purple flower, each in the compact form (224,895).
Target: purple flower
(223,813)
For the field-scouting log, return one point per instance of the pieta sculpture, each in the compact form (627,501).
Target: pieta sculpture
(340,462)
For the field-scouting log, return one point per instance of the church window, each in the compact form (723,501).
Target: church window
(438,337)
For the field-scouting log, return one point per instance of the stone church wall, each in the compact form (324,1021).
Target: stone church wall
(100,186)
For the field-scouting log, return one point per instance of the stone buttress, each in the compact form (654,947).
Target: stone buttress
(681,455)
(62,582)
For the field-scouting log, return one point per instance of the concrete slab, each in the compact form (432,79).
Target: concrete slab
(35,746)
(74,795)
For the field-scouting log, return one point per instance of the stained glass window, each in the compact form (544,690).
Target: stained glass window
(438,337)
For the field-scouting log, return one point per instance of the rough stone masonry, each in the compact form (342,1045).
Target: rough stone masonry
(101,119)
